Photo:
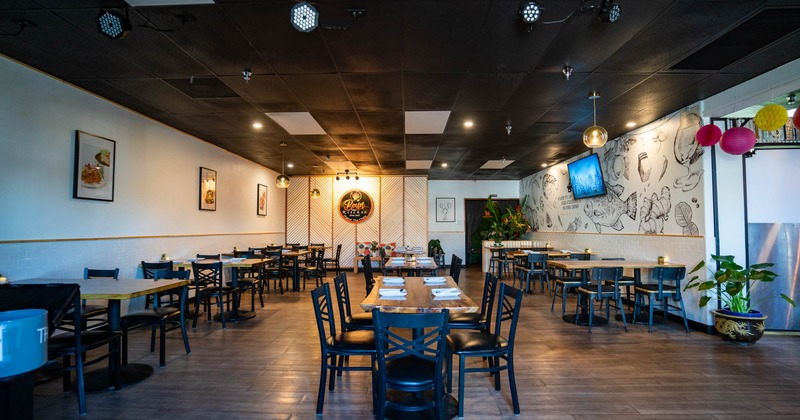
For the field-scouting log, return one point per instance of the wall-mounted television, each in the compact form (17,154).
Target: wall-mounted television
(586,177)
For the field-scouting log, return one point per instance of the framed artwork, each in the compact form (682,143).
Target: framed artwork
(445,209)
(261,200)
(208,189)
(94,167)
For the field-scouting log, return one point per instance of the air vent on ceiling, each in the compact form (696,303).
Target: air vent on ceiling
(752,35)
(203,87)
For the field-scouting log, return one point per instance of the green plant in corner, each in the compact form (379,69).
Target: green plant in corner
(732,283)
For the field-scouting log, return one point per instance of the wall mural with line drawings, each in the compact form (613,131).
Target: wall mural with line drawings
(653,178)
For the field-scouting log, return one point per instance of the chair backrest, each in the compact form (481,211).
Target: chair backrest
(509,303)
(276,255)
(370,282)
(292,245)
(488,298)
(245,254)
(338,251)
(605,274)
(172,274)
(148,268)
(208,256)
(343,298)
(321,299)
(455,268)
(391,345)
(258,250)
(91,273)
(537,262)
(669,275)
(613,259)
(56,299)
(582,256)
(207,274)
(320,245)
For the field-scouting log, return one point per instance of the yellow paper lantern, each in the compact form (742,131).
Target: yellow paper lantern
(771,117)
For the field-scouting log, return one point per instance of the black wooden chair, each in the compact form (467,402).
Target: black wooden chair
(209,256)
(455,268)
(333,262)
(495,346)
(149,269)
(478,320)
(274,271)
(349,321)
(535,266)
(667,286)
(567,281)
(160,317)
(251,279)
(335,347)
(313,269)
(603,286)
(92,315)
(208,286)
(409,366)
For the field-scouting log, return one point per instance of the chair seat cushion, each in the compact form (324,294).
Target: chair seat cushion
(65,343)
(151,314)
(213,291)
(653,288)
(466,318)
(353,341)
(476,342)
(409,371)
(605,289)
(360,318)
(569,280)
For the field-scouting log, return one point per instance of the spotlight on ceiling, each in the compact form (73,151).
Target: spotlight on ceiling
(790,99)
(304,17)
(609,11)
(113,24)
(530,13)
(567,71)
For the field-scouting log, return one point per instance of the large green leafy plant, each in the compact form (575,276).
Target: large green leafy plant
(510,225)
(732,283)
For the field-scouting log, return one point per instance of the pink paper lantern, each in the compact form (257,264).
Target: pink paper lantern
(796,119)
(737,140)
(708,135)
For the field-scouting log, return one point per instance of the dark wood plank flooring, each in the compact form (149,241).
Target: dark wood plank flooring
(268,368)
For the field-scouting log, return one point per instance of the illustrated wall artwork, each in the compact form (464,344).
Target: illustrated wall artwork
(653,181)
(445,209)
(261,200)
(208,189)
(93,177)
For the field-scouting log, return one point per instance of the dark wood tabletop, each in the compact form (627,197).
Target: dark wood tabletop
(419,298)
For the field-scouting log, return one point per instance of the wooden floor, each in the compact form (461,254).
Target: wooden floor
(268,367)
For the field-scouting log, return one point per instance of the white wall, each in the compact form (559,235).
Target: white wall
(451,234)
(155,207)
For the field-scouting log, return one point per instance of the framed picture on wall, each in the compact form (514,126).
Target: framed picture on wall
(94,167)
(208,189)
(261,200)
(445,209)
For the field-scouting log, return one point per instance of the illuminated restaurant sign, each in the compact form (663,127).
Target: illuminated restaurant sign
(355,206)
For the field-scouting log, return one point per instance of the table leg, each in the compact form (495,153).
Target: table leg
(235,314)
(295,274)
(100,379)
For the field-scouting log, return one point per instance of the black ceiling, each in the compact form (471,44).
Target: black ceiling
(474,58)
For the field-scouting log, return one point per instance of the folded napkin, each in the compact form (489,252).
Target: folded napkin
(446,291)
(398,259)
(433,280)
(392,292)
(194,259)
(566,251)
(393,280)
(237,259)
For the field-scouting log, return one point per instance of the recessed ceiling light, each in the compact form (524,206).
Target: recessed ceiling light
(257,125)
(544,165)
(468,123)
(444,164)
(630,124)
(290,165)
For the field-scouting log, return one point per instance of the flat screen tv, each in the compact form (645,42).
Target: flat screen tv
(586,177)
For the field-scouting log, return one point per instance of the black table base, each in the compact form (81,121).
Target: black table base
(102,379)
(450,405)
(235,316)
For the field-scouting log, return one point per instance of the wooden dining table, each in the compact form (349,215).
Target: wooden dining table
(115,291)
(234,264)
(419,298)
(585,266)
(414,264)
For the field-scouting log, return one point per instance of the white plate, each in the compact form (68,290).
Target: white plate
(393,280)
(392,292)
(447,291)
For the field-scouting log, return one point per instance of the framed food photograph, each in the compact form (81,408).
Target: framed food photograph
(445,209)
(208,189)
(261,200)
(94,167)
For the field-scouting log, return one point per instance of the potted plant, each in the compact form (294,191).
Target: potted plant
(510,225)
(435,250)
(731,284)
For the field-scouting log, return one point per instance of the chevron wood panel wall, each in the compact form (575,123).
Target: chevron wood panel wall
(392,209)
(297,211)
(400,213)
(321,220)
(344,232)
(370,229)
(415,217)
